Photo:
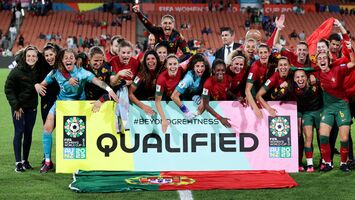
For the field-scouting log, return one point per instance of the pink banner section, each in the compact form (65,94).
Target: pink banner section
(277,136)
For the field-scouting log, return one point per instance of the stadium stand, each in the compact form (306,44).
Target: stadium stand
(64,23)
(5,17)
(307,22)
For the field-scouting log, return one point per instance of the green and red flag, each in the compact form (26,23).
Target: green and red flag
(124,181)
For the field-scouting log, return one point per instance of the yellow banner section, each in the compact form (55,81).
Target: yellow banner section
(87,140)
(89,6)
(349,7)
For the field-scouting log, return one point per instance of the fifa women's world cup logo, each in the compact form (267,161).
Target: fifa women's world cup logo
(74,137)
(74,127)
(279,137)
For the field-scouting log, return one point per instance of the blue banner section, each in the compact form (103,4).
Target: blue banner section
(62,7)
(192,141)
(334,8)
(249,1)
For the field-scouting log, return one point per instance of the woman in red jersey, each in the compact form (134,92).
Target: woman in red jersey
(166,84)
(215,88)
(237,70)
(336,107)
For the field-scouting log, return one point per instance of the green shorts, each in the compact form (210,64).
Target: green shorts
(311,118)
(338,111)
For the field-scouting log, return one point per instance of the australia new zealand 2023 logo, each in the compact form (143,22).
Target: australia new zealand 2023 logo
(279,137)
(74,137)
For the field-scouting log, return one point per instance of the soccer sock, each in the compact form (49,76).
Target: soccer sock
(309,155)
(344,151)
(325,148)
(47,144)
(300,150)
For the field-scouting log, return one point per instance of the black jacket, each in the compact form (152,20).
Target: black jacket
(19,87)
(220,52)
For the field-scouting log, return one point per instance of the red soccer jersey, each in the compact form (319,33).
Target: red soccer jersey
(349,84)
(118,66)
(257,73)
(167,84)
(109,56)
(238,83)
(292,57)
(274,81)
(332,81)
(215,90)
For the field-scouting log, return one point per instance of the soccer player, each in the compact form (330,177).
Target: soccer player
(125,64)
(337,45)
(258,73)
(143,87)
(237,70)
(162,50)
(309,106)
(336,107)
(23,101)
(68,92)
(50,52)
(102,70)
(299,59)
(114,45)
(323,47)
(166,84)
(251,51)
(215,88)
(166,32)
(279,81)
(190,87)
(149,46)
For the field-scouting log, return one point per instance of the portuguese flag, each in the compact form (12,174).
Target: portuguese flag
(124,181)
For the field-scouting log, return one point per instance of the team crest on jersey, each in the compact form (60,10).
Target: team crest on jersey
(158,88)
(205,91)
(136,80)
(182,84)
(250,76)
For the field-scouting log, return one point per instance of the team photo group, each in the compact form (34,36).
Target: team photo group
(316,74)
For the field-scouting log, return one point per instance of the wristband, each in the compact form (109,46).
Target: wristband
(108,89)
(184,109)
(218,117)
(102,99)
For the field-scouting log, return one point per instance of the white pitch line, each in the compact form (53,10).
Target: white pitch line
(185,194)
